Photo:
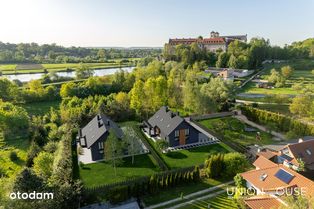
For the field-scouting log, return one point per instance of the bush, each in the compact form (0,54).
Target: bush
(51,147)
(13,156)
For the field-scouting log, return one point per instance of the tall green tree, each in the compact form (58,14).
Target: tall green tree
(113,150)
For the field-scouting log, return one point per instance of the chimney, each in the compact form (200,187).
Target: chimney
(300,140)
(100,123)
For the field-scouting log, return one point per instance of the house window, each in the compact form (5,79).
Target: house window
(187,132)
(101,145)
(308,152)
(176,133)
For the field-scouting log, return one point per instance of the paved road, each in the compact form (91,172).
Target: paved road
(244,119)
(189,196)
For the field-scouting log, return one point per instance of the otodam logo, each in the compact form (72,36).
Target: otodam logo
(31,196)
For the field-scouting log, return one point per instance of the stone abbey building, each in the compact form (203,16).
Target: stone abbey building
(213,43)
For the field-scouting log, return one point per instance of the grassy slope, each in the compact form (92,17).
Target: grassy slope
(233,130)
(102,172)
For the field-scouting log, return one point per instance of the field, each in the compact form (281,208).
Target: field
(219,202)
(100,173)
(302,73)
(40,108)
(234,130)
(35,68)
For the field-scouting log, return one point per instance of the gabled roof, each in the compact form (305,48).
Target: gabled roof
(263,201)
(303,150)
(267,154)
(266,179)
(97,127)
(263,162)
(165,120)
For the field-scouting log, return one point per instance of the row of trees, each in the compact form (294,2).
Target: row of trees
(278,122)
(279,78)
(52,53)
(240,54)
(225,165)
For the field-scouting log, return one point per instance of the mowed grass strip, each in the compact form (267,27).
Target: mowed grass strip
(184,189)
(221,201)
(101,173)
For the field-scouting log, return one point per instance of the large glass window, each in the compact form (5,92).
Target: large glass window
(100,145)
(187,132)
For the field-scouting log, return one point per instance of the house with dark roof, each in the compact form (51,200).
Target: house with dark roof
(303,150)
(92,137)
(173,128)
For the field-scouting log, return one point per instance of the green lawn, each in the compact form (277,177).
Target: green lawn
(194,156)
(232,129)
(40,108)
(221,201)
(252,89)
(176,192)
(100,173)
(302,73)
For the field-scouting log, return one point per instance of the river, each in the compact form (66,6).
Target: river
(34,76)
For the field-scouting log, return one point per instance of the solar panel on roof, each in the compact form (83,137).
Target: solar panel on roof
(284,176)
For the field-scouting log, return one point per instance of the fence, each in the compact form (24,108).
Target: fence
(235,146)
(213,115)
(138,180)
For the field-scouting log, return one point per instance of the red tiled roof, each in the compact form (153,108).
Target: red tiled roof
(272,183)
(263,162)
(214,40)
(205,41)
(267,154)
(262,201)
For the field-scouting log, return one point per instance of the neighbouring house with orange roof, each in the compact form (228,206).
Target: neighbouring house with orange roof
(272,181)
(213,43)
(263,201)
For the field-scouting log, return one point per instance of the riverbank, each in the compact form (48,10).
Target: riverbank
(68,67)
(26,77)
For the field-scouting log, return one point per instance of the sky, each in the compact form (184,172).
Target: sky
(150,23)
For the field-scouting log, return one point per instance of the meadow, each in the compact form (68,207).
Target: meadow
(35,68)
(302,74)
